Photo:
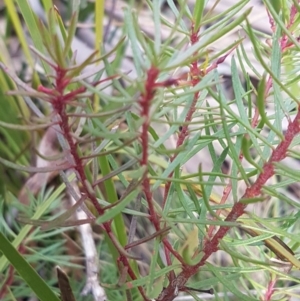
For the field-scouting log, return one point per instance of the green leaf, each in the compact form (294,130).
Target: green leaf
(277,5)
(115,210)
(197,15)
(188,55)
(261,107)
(40,210)
(28,274)
(99,23)
(32,25)
(230,285)
(252,200)
(246,148)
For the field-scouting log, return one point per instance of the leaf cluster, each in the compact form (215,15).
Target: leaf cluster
(97,157)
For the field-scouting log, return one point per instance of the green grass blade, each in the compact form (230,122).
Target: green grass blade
(28,274)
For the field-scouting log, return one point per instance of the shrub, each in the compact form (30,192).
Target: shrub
(114,151)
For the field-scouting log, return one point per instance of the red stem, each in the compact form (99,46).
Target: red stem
(145,103)
(211,246)
(194,71)
(59,101)
(237,210)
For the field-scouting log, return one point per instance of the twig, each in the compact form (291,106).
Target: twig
(90,251)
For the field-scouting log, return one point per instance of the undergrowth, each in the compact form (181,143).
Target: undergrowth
(110,198)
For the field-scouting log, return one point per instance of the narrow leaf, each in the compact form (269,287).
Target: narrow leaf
(198,11)
(28,274)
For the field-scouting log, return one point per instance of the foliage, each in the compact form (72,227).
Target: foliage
(100,136)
